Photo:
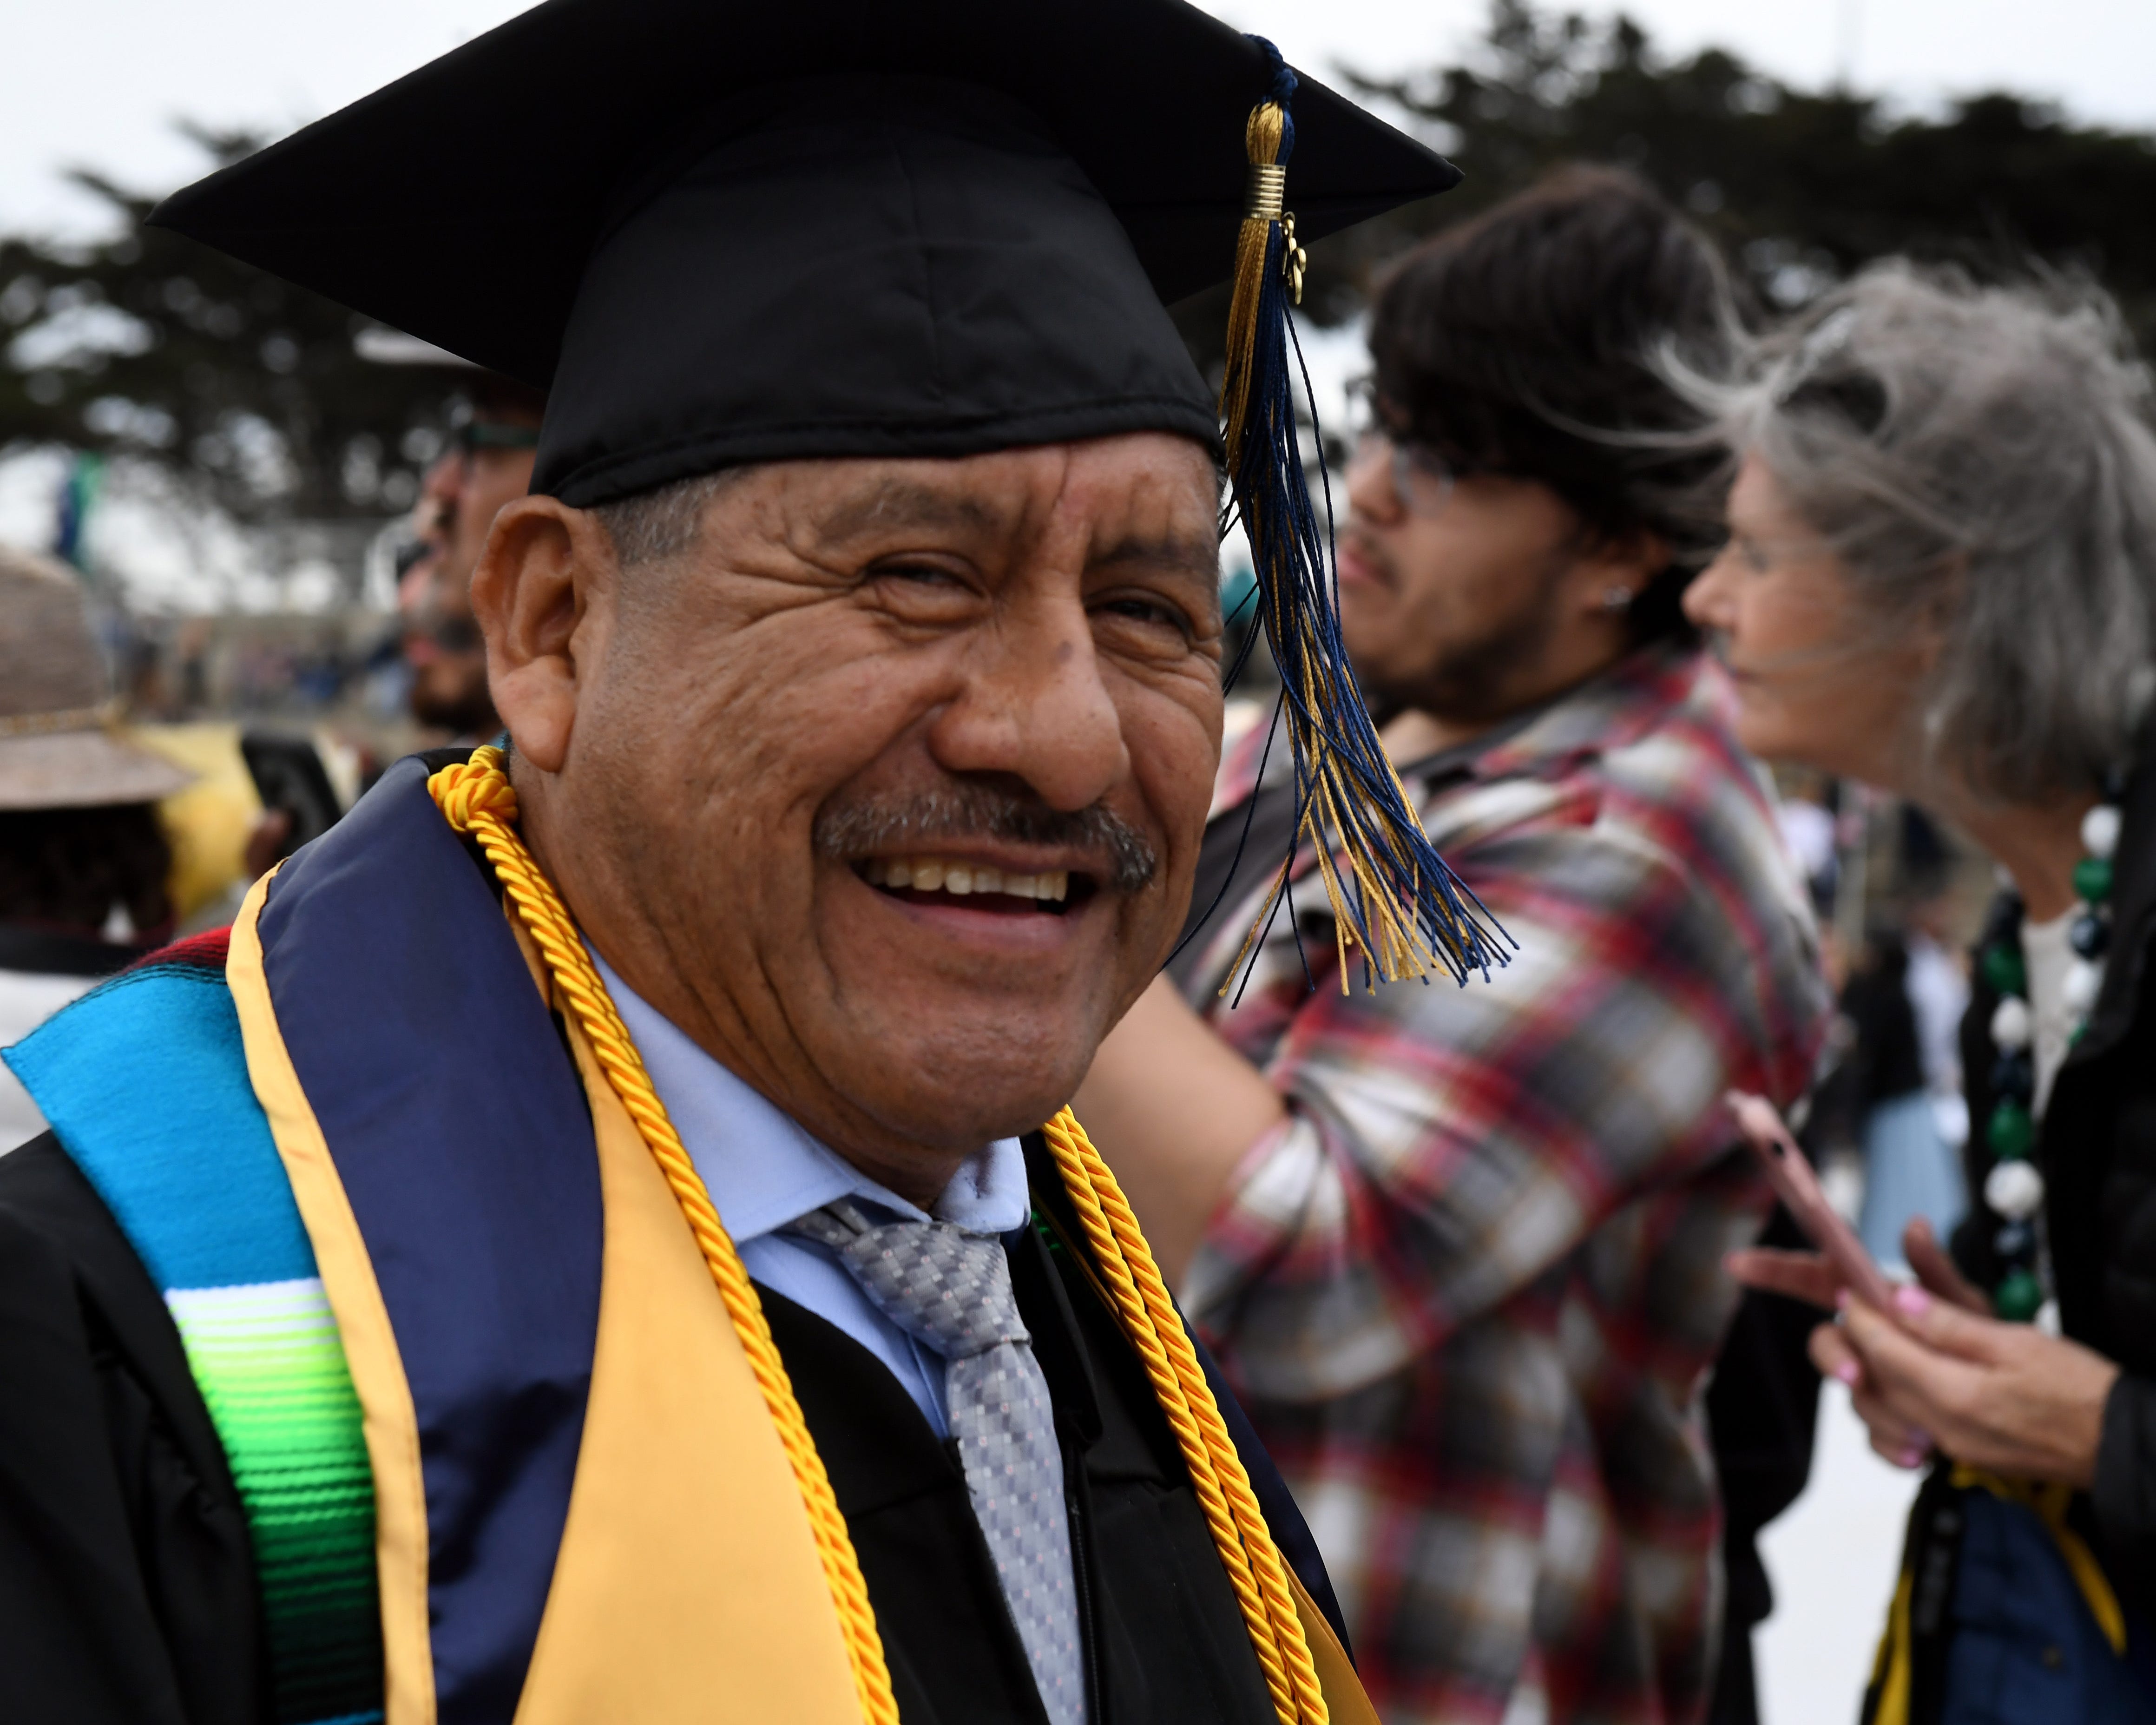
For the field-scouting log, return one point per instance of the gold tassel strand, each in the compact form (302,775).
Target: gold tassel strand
(1263,206)
(1391,894)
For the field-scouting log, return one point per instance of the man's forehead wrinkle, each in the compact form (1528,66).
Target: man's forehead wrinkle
(901,502)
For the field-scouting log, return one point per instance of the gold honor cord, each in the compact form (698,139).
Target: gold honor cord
(478,799)
(1155,1332)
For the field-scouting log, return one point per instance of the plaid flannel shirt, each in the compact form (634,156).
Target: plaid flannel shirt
(1471,1292)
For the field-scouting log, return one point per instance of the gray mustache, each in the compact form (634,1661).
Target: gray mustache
(1126,861)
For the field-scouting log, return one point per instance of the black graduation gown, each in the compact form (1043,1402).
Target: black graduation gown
(127,1594)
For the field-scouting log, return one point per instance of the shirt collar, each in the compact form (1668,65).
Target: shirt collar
(1611,709)
(763,1171)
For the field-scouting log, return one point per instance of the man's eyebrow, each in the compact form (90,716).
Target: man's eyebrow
(906,503)
(1198,557)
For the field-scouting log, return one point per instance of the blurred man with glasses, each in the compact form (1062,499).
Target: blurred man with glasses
(486,463)
(493,441)
(1460,1248)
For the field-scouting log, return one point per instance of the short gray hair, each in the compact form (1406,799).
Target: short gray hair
(1981,461)
(652,526)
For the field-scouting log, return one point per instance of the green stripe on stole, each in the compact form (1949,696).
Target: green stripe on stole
(266,1358)
(145,1080)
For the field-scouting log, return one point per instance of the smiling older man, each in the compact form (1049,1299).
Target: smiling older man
(585,1246)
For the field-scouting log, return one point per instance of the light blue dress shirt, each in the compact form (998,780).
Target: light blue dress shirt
(763,1171)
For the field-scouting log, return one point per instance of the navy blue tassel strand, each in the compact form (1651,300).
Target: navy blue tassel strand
(1392,897)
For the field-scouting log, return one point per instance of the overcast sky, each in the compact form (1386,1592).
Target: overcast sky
(100,82)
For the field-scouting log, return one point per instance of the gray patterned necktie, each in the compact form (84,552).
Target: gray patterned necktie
(952,1291)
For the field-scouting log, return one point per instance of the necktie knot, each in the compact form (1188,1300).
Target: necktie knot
(949,1289)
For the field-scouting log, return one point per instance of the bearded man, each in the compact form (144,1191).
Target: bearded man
(586,1246)
(493,441)
(1460,1248)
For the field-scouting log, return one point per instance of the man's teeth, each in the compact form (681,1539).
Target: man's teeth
(933,874)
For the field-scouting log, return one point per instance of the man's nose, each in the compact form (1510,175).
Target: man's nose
(444,477)
(1035,705)
(1371,493)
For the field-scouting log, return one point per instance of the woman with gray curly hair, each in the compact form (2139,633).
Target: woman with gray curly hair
(1941,579)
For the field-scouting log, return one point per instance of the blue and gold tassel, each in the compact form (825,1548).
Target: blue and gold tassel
(1394,898)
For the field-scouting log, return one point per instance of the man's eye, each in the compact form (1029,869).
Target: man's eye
(921,574)
(1153,614)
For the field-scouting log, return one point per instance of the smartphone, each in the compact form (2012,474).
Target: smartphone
(1799,1188)
(288,774)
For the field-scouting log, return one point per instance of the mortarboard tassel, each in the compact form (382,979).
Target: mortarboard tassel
(1395,900)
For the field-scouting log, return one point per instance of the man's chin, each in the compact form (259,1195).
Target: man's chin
(960,1026)
(956,1110)
(955,1075)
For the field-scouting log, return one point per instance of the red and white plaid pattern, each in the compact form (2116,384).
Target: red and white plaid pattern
(1470,1293)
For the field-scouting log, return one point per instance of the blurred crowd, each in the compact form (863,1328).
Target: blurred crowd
(1780,684)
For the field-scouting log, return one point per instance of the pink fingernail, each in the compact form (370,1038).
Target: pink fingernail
(1913,1457)
(1841,1299)
(1847,1372)
(1912,1302)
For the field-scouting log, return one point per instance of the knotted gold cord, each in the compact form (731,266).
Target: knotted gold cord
(1155,1332)
(477,798)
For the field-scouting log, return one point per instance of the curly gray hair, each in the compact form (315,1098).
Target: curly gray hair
(1981,461)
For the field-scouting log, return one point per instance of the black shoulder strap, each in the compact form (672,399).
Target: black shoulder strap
(1930,1558)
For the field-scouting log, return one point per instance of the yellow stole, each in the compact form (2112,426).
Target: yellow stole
(689,1568)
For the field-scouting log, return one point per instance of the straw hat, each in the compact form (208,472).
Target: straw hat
(57,749)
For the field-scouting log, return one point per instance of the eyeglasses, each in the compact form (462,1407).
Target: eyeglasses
(1422,482)
(472,435)
(1422,478)
(476,434)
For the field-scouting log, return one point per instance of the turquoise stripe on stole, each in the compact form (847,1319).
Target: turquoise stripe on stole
(145,1080)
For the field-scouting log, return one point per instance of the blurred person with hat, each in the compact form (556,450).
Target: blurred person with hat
(83,861)
(602,1237)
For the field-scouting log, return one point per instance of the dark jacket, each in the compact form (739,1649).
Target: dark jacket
(127,1590)
(2097,1150)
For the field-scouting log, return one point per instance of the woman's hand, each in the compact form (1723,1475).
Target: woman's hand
(1938,1375)
(2005,1398)
(1808,1276)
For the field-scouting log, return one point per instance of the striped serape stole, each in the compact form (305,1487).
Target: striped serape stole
(145,1080)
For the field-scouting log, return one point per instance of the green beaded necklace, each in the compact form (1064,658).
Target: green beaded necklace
(2014,1191)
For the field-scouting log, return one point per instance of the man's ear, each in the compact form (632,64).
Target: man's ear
(543,593)
(1626,564)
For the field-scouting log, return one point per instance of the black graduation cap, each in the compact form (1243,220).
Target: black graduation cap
(718,233)
(725,231)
